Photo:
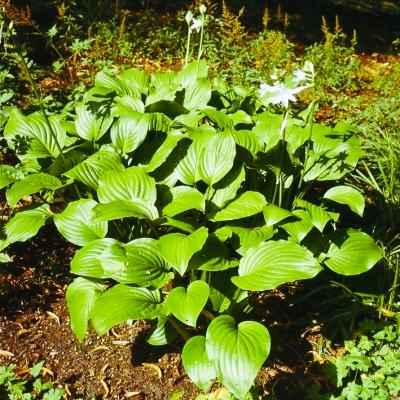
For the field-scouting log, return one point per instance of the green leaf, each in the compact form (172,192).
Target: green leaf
(178,248)
(81,297)
(191,72)
(129,184)
(163,333)
(187,304)
(248,140)
(251,237)
(216,159)
(352,253)
(89,125)
(237,352)
(299,228)
(197,364)
(347,195)
(136,78)
(122,303)
(272,263)
(9,174)
(124,209)
(274,214)
(318,216)
(247,204)
(127,104)
(26,224)
(76,223)
(90,170)
(159,79)
(129,131)
(165,93)
(184,198)
(220,119)
(197,94)
(5,258)
(36,369)
(31,184)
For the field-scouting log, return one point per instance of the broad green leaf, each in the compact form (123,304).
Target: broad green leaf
(76,223)
(352,253)
(198,366)
(299,228)
(129,184)
(226,188)
(318,216)
(118,209)
(122,303)
(81,297)
(9,174)
(136,78)
(347,195)
(237,352)
(187,304)
(178,248)
(190,73)
(184,198)
(163,333)
(216,159)
(5,258)
(159,79)
(89,125)
(26,224)
(163,93)
(180,224)
(222,120)
(33,183)
(241,117)
(127,104)
(247,204)
(272,263)
(129,131)
(106,80)
(158,122)
(274,214)
(248,140)
(90,170)
(197,94)
(250,237)
(267,129)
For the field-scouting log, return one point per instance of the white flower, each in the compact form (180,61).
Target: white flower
(189,17)
(202,9)
(299,76)
(278,93)
(304,75)
(197,24)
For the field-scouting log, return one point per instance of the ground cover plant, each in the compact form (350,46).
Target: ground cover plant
(189,193)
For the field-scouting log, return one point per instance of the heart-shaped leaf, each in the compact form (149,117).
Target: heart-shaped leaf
(272,263)
(124,209)
(186,305)
(197,94)
(198,366)
(352,253)
(237,352)
(347,195)
(76,223)
(184,198)
(178,248)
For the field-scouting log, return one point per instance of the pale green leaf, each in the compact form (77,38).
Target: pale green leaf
(184,198)
(347,195)
(118,209)
(197,94)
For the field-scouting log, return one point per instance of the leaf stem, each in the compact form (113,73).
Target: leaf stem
(179,328)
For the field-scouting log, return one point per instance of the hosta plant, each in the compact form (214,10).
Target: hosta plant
(184,195)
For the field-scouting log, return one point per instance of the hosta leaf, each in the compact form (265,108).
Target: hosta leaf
(31,184)
(163,333)
(76,223)
(274,214)
(178,248)
(241,117)
(197,94)
(127,104)
(135,78)
(237,352)
(122,303)
(159,79)
(81,297)
(267,129)
(186,304)
(163,93)
(129,184)
(347,195)
(9,174)
(247,204)
(299,228)
(129,131)
(272,263)
(250,237)
(198,366)
(124,209)
(352,253)
(168,107)
(90,170)
(90,125)
(191,72)
(318,216)
(216,159)
(26,224)
(219,118)
(184,198)
(115,84)
(249,140)
(5,258)
(158,122)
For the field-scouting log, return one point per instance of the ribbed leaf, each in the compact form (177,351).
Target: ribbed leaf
(220,119)
(184,198)
(191,72)
(122,303)
(249,140)
(272,263)
(187,304)
(163,333)
(216,159)
(347,195)
(299,228)
(129,131)
(124,209)
(178,249)
(352,253)
(247,204)
(77,225)
(81,297)
(162,93)
(237,352)
(251,237)
(274,214)
(129,184)
(197,364)
(162,78)
(318,216)
(31,184)
(9,174)
(90,170)
(135,78)
(26,224)
(197,94)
